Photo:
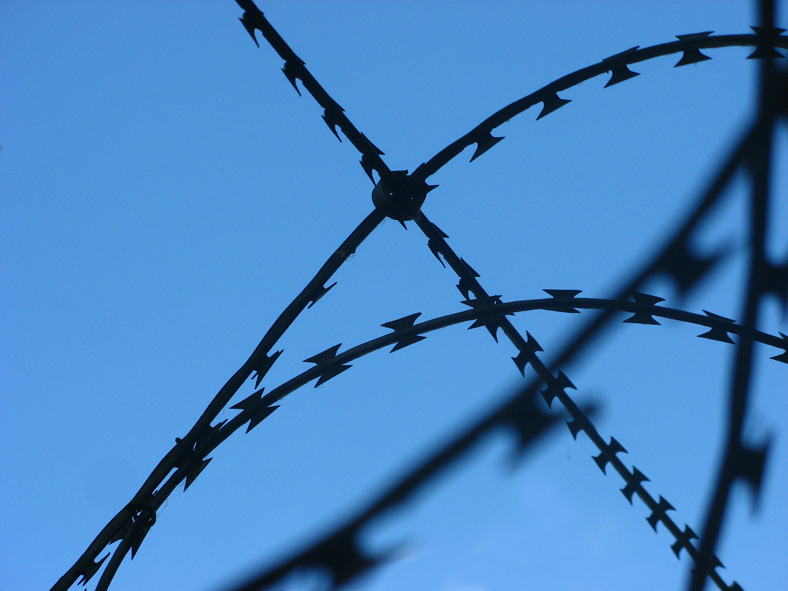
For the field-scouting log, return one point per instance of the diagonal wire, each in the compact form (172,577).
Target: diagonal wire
(148,496)
(556,389)
(295,69)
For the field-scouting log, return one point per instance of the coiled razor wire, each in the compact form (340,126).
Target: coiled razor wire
(400,195)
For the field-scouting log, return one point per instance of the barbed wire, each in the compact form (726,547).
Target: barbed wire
(400,195)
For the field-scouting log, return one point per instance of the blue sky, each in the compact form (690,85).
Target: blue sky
(166,194)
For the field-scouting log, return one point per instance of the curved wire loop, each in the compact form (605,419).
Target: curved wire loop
(339,552)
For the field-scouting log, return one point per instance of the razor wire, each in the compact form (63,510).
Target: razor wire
(400,195)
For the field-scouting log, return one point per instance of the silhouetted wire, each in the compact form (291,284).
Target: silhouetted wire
(689,45)
(328,552)
(258,405)
(677,259)
(295,69)
(680,250)
(743,460)
(557,387)
(338,552)
(151,494)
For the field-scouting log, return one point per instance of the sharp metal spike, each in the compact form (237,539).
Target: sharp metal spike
(531,343)
(659,513)
(367,166)
(484,143)
(691,55)
(331,121)
(406,342)
(402,323)
(291,75)
(331,373)
(531,348)
(324,356)
(492,327)
(520,361)
(250,27)
(642,317)
(141,522)
(575,427)
(634,481)
(606,455)
(563,294)
(435,250)
(556,387)
(492,321)
(646,299)
(260,415)
(255,405)
(765,48)
(319,293)
(783,357)
(260,366)
(620,74)
(718,332)
(464,288)
(194,472)
(684,541)
(552,102)
(91,570)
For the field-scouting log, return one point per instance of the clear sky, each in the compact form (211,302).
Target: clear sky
(166,193)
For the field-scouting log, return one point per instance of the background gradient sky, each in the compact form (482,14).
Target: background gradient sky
(166,194)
